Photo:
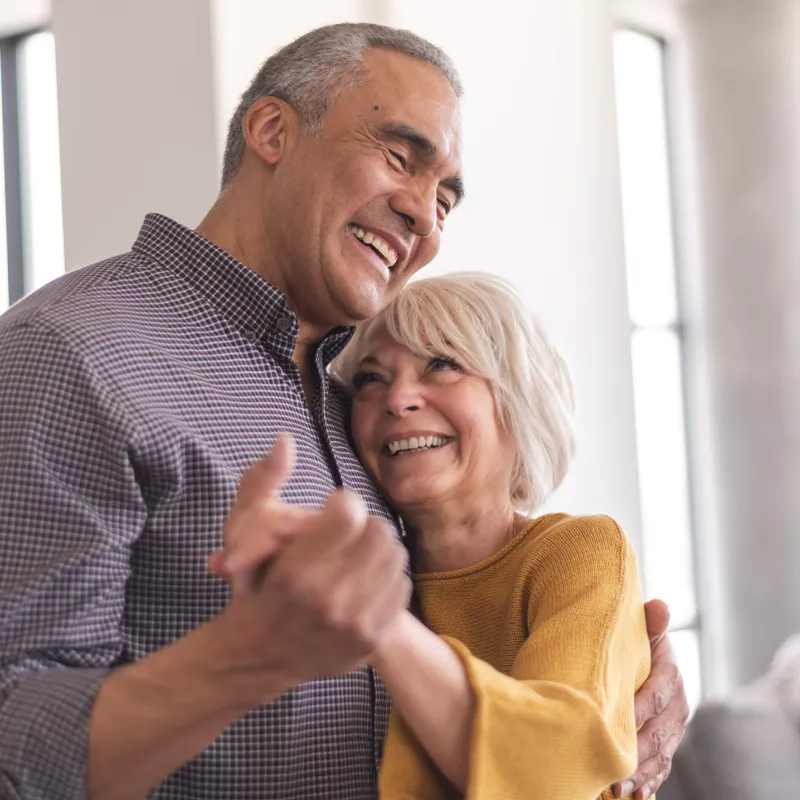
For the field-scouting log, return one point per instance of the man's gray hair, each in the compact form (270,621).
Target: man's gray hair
(312,71)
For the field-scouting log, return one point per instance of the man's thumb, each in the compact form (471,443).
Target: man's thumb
(268,476)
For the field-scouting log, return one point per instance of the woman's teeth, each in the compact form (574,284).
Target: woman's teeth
(381,246)
(417,443)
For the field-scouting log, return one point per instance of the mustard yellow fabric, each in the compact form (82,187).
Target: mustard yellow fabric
(551,630)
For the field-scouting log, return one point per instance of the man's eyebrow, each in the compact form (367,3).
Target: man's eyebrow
(423,145)
(456,186)
(419,141)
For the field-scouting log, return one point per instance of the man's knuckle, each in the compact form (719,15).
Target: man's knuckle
(657,738)
(663,761)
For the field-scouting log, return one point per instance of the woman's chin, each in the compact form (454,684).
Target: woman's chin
(416,495)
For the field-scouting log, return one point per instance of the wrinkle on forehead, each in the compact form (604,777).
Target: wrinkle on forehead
(400,84)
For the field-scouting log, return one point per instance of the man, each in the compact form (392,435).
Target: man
(135,395)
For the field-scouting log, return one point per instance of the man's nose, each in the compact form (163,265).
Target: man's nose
(416,203)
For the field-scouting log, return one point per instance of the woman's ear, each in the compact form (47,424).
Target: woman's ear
(269,128)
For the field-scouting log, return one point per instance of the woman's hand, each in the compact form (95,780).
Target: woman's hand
(662,711)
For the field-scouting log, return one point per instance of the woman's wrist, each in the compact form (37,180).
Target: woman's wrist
(396,641)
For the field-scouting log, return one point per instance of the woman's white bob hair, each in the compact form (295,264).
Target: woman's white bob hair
(480,320)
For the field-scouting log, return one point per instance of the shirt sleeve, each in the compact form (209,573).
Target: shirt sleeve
(70,508)
(561,725)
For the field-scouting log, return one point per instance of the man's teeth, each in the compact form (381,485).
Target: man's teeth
(375,241)
(417,443)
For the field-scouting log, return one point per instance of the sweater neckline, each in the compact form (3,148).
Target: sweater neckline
(523,535)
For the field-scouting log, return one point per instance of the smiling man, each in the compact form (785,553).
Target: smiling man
(135,395)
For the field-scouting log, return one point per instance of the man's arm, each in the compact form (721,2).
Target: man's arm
(321,610)
(71,509)
(662,710)
(63,556)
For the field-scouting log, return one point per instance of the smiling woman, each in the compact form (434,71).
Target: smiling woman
(462,414)
(474,326)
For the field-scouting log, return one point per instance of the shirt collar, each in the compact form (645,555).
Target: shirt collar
(251,304)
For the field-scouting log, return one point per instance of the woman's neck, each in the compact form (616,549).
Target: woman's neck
(453,536)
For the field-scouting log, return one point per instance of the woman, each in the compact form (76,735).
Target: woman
(522,684)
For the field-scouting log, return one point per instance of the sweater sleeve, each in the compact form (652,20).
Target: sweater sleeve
(561,725)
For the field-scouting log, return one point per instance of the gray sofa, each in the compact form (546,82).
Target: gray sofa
(744,748)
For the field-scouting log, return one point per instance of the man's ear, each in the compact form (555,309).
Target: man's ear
(270,126)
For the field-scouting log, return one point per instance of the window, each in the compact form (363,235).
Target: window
(668,563)
(31,227)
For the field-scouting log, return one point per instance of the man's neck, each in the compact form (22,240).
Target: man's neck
(232,226)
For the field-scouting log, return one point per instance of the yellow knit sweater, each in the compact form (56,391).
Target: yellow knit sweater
(551,630)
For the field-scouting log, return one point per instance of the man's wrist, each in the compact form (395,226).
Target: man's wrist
(234,677)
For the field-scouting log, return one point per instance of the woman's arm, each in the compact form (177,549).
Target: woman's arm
(562,723)
(429,687)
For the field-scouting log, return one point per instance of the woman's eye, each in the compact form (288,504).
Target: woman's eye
(362,378)
(399,159)
(443,363)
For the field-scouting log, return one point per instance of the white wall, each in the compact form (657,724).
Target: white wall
(137,118)
(20,16)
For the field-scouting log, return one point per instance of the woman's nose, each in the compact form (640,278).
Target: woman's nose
(402,398)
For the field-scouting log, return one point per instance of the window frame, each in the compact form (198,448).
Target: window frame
(661,35)
(12,159)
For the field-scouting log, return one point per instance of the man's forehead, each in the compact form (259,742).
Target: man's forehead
(402,85)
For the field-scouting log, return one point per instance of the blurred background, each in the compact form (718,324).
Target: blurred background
(633,166)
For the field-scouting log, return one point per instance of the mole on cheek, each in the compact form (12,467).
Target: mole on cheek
(376,108)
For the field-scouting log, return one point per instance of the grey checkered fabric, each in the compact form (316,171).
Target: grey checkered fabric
(133,394)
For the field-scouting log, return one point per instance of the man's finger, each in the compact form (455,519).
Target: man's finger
(656,737)
(646,776)
(337,526)
(657,616)
(653,786)
(248,552)
(267,477)
(656,693)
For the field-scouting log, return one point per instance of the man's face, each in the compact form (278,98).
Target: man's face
(362,204)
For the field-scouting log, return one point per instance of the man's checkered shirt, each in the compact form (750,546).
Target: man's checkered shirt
(133,394)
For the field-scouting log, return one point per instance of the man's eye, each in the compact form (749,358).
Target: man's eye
(362,378)
(399,159)
(443,363)
(444,205)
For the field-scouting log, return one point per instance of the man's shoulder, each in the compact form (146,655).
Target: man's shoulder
(78,298)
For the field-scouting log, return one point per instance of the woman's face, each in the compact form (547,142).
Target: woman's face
(427,432)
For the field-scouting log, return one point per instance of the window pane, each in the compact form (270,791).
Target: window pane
(3,240)
(643,152)
(40,161)
(660,434)
(687,650)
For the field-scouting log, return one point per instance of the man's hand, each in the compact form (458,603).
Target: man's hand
(333,583)
(662,711)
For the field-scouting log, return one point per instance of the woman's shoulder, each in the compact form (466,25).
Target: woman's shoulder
(582,561)
(595,542)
